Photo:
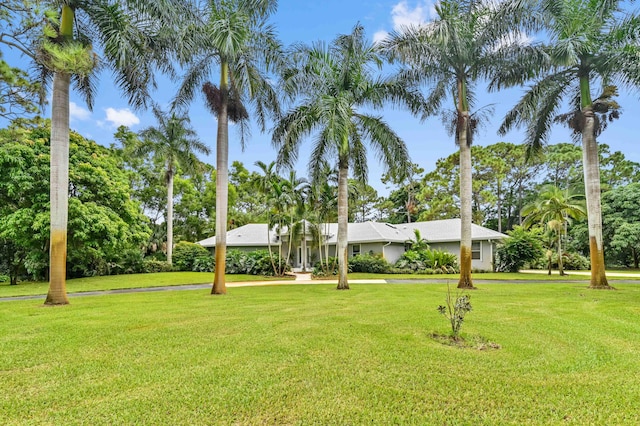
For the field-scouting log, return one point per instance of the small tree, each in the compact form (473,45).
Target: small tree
(455,310)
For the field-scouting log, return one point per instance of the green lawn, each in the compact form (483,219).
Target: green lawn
(113,282)
(501,276)
(314,355)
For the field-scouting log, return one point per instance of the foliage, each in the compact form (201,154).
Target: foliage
(522,246)
(455,309)
(185,255)
(373,263)
(621,220)
(431,261)
(103,220)
(153,265)
(326,268)
(570,260)
(257,262)
(204,264)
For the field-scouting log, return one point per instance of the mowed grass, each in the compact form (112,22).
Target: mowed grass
(114,282)
(503,276)
(314,355)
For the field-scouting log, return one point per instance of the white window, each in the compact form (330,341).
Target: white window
(476,250)
(355,249)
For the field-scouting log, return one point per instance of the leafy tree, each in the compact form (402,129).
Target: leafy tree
(589,42)
(194,212)
(104,222)
(22,25)
(334,82)
(621,214)
(130,47)
(362,201)
(174,143)
(405,196)
(555,209)
(234,35)
(469,40)
(249,204)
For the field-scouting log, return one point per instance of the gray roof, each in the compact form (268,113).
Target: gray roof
(255,234)
(440,231)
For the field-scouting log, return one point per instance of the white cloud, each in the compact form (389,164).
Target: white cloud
(76,112)
(403,15)
(379,36)
(121,117)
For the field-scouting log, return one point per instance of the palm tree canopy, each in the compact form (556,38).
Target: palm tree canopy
(554,207)
(589,41)
(129,37)
(335,83)
(468,41)
(172,141)
(236,33)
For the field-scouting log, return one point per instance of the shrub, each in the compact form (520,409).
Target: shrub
(519,248)
(4,278)
(439,261)
(152,265)
(204,264)
(575,261)
(326,268)
(130,262)
(570,261)
(185,254)
(371,263)
(254,263)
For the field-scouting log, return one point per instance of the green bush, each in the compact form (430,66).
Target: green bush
(575,262)
(204,264)
(152,265)
(254,263)
(371,263)
(4,278)
(185,254)
(570,261)
(429,261)
(327,268)
(519,249)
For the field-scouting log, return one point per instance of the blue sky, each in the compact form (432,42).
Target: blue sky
(307,21)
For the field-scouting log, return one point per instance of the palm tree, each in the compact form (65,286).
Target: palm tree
(174,143)
(263,185)
(130,46)
(589,42)
(334,83)
(322,200)
(468,41)
(555,209)
(233,35)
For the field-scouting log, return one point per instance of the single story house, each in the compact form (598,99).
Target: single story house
(391,241)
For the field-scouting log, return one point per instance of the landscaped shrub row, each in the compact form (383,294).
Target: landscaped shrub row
(421,261)
(193,257)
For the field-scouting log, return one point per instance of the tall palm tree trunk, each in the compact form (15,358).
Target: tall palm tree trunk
(169,215)
(591,168)
(273,262)
(59,191)
(465,206)
(343,217)
(560,266)
(222,183)
(59,175)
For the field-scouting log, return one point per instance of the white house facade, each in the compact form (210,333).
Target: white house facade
(368,237)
